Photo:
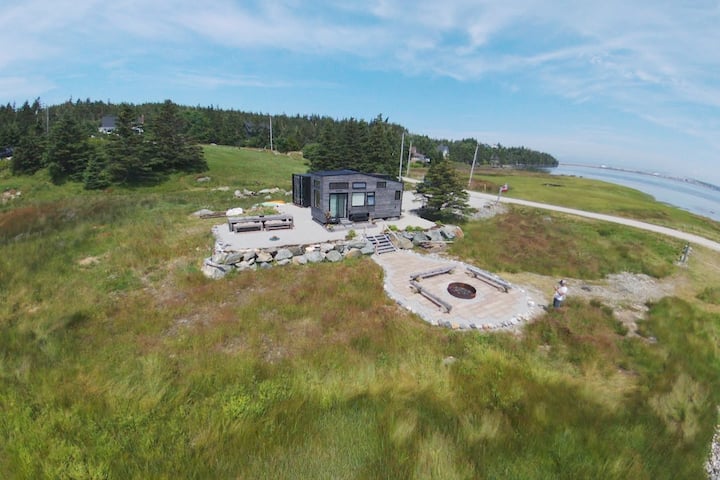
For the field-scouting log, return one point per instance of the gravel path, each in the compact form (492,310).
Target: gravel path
(479,200)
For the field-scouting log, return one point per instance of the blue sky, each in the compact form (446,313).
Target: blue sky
(632,84)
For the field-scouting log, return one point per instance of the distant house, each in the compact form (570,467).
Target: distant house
(107,124)
(337,196)
(416,156)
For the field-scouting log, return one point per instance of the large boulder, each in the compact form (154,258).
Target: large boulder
(264,257)
(244,266)
(213,270)
(420,237)
(404,243)
(234,257)
(353,253)
(299,260)
(296,250)
(333,256)
(283,254)
(315,256)
(326,247)
(249,256)
(357,243)
(368,249)
(435,235)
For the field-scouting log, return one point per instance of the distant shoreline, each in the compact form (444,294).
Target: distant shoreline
(692,181)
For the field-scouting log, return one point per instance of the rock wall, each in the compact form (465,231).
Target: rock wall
(225,260)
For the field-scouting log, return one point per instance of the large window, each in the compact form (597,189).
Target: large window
(316,198)
(339,185)
(398,194)
(371,199)
(358,199)
(381,184)
(359,185)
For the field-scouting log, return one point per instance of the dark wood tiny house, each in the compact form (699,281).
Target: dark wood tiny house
(335,196)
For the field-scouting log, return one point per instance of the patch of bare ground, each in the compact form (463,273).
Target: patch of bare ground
(626,293)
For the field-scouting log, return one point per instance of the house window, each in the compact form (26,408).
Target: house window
(358,199)
(359,185)
(371,199)
(316,198)
(398,194)
(339,185)
(316,183)
(381,184)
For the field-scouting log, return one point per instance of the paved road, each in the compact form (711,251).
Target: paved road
(477,200)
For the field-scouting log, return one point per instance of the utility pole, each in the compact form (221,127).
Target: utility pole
(402,148)
(407,174)
(271,139)
(472,169)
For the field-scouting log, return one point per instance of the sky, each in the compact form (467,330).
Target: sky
(629,84)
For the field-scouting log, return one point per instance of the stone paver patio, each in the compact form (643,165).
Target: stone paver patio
(490,309)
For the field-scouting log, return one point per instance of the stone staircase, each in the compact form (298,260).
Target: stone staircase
(381,243)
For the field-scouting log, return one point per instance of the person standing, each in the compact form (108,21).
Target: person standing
(561,291)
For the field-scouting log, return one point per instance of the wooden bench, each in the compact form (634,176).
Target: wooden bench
(431,273)
(490,279)
(259,223)
(433,298)
(276,222)
(245,224)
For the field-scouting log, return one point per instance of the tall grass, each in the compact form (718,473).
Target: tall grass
(118,359)
(551,244)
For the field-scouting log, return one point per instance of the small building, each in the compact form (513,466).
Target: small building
(108,124)
(337,196)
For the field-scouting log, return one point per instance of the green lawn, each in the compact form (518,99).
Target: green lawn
(119,359)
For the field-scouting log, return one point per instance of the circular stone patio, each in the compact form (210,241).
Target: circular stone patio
(490,309)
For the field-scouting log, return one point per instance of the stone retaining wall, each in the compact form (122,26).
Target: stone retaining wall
(224,260)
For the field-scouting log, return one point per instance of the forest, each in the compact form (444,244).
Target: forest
(153,139)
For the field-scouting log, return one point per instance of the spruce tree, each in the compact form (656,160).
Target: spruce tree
(443,189)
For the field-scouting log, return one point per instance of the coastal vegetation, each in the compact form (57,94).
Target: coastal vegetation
(119,359)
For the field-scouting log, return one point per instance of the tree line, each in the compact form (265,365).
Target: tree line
(64,138)
(70,147)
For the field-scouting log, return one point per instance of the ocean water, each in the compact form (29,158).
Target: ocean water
(673,191)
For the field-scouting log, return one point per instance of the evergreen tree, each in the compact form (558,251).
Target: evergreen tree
(28,155)
(171,149)
(379,149)
(67,150)
(443,189)
(96,175)
(127,159)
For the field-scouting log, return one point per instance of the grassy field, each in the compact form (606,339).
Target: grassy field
(118,359)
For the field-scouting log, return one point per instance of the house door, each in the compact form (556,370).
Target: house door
(338,205)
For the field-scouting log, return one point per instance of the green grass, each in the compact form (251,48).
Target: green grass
(552,244)
(118,359)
